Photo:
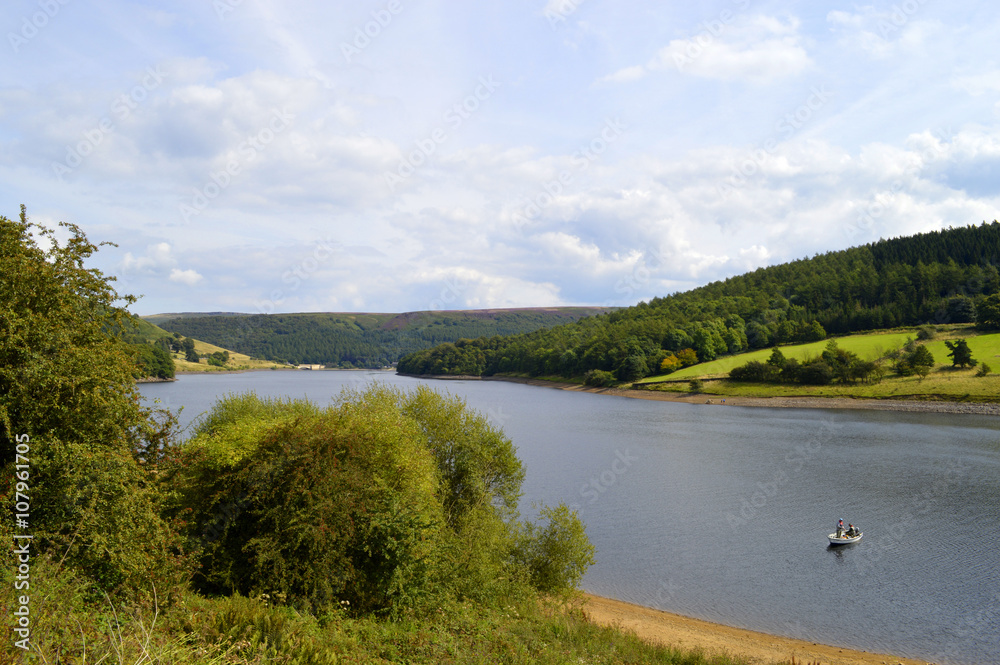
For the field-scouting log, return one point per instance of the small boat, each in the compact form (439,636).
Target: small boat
(845,539)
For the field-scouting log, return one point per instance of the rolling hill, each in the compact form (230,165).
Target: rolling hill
(942,277)
(351,340)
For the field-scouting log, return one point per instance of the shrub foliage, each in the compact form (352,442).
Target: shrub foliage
(67,387)
(378,503)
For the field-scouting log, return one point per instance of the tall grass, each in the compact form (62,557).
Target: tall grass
(73,624)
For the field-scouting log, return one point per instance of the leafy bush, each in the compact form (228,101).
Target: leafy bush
(598,378)
(755,371)
(67,392)
(816,373)
(318,506)
(385,500)
(557,553)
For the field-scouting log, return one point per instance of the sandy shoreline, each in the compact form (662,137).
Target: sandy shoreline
(676,630)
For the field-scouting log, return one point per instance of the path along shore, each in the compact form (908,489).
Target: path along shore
(680,631)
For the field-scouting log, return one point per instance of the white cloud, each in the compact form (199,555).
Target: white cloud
(979,84)
(883,34)
(188,277)
(761,49)
(157,256)
(646,216)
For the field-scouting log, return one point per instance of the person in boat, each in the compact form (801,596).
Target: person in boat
(852,531)
(840,528)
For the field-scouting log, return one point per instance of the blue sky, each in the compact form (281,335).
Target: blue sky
(263,156)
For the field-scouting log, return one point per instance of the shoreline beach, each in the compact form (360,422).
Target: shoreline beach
(900,405)
(680,631)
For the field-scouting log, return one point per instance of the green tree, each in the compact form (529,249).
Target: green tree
(687,357)
(960,353)
(557,553)
(814,332)
(921,357)
(477,464)
(758,336)
(633,368)
(153,361)
(67,391)
(988,313)
(960,309)
(777,359)
(219,358)
(816,372)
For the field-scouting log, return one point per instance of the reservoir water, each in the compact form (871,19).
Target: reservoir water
(722,512)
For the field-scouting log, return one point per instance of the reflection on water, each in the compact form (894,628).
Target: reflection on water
(722,513)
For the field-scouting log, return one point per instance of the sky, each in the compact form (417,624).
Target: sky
(394,155)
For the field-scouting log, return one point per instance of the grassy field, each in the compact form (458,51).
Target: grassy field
(237,361)
(943,382)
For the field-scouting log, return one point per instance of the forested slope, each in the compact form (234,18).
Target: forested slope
(359,340)
(937,277)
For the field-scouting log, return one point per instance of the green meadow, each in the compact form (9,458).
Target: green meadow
(944,381)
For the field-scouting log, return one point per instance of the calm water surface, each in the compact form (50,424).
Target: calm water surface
(721,513)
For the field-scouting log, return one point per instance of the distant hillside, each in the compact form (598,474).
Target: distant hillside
(938,277)
(355,339)
(146,332)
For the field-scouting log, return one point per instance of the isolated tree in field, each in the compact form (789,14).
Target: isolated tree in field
(960,353)
(921,357)
(914,359)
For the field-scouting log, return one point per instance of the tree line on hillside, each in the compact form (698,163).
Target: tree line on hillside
(361,341)
(947,276)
